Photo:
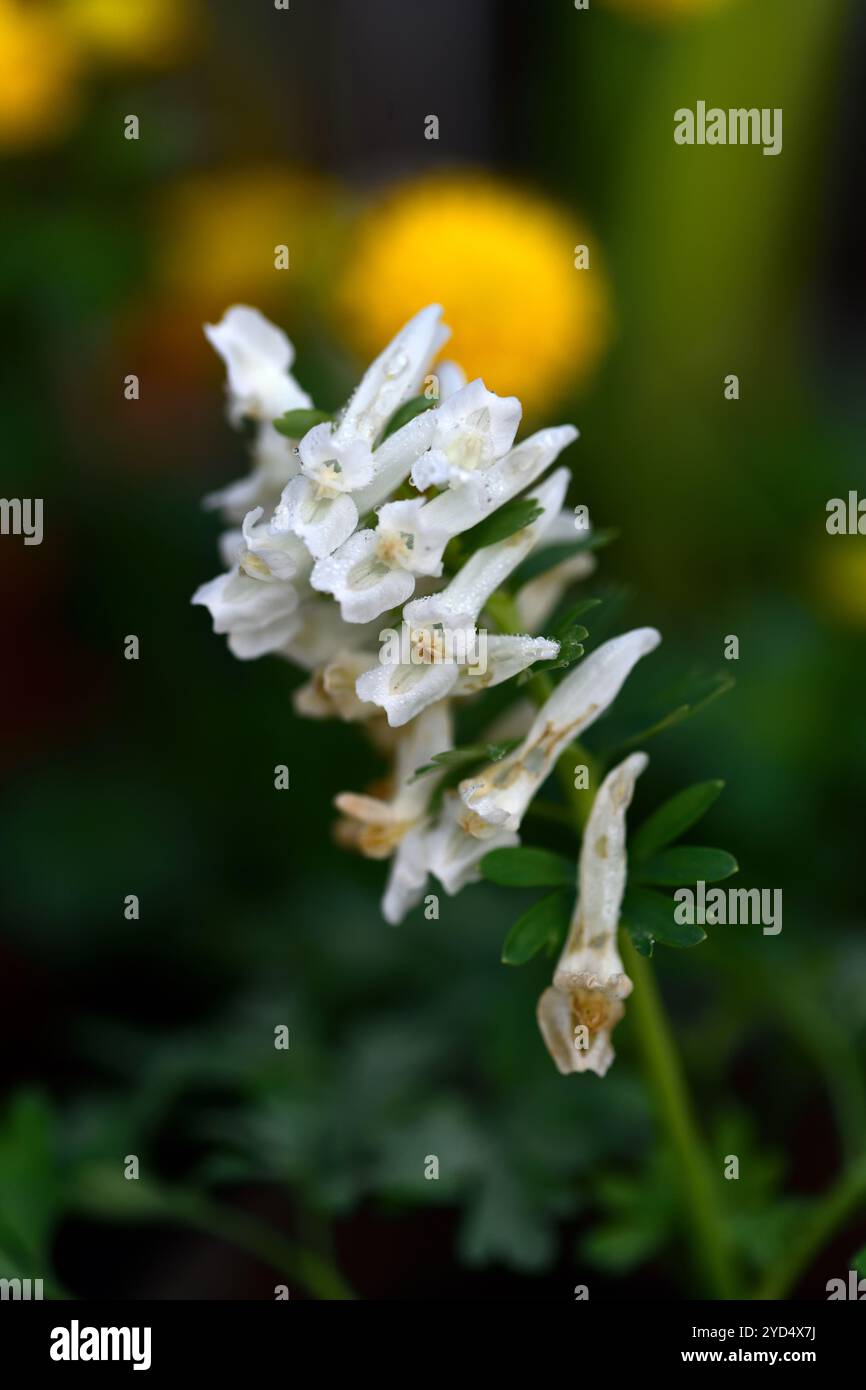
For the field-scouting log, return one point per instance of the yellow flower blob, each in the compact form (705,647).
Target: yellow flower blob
(219,233)
(39,72)
(841,578)
(502,263)
(152,33)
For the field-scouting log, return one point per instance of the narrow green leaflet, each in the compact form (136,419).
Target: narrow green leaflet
(525,867)
(463,757)
(617,733)
(511,517)
(295,423)
(540,561)
(406,412)
(649,916)
(673,818)
(545,924)
(570,650)
(686,864)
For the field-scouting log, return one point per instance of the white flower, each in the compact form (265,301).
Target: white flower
(578,1012)
(501,793)
(443,623)
(374,570)
(258,356)
(330,691)
(258,617)
(398,826)
(539,596)
(458,840)
(341,477)
(474,427)
(271,555)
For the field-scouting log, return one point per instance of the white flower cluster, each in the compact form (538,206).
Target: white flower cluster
(351,521)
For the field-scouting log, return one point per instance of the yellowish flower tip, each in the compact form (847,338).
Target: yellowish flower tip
(502,260)
(665,9)
(840,571)
(39,75)
(219,233)
(149,33)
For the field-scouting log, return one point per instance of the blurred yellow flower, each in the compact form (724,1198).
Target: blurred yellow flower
(39,68)
(841,578)
(503,262)
(219,232)
(664,9)
(148,32)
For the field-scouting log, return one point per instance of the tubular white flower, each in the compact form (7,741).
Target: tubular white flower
(257,616)
(411,536)
(474,428)
(585,1002)
(505,657)
(268,555)
(398,826)
(330,691)
(258,356)
(450,617)
(394,378)
(501,793)
(458,841)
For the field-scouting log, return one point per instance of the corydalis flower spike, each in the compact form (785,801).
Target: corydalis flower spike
(578,1012)
(501,793)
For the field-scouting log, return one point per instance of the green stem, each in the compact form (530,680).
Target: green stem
(846,1196)
(705,1229)
(315,1273)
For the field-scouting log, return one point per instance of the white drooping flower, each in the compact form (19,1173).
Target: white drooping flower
(258,356)
(398,827)
(275,462)
(442,630)
(474,428)
(257,617)
(341,469)
(577,1013)
(376,570)
(501,792)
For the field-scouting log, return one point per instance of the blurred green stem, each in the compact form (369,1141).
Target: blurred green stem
(308,1268)
(704,1226)
(846,1196)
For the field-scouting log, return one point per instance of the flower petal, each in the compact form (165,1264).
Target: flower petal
(258,356)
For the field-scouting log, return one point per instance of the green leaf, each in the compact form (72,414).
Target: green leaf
(525,867)
(544,924)
(572,614)
(30,1195)
(616,733)
(673,818)
(646,914)
(570,650)
(686,864)
(544,559)
(406,412)
(464,757)
(295,423)
(501,524)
